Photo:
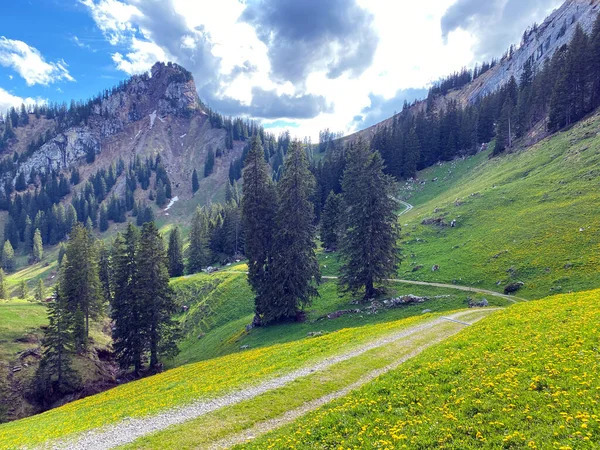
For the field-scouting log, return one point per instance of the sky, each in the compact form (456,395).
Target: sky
(304,65)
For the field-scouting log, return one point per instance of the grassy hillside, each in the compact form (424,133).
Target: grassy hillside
(532,216)
(221,305)
(180,386)
(524,378)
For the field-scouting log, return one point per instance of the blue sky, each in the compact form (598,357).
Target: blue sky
(304,65)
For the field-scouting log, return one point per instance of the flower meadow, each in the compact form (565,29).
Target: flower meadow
(186,384)
(526,377)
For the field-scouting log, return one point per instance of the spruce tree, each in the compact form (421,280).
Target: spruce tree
(175,253)
(198,252)
(39,293)
(127,312)
(103,222)
(23,290)
(294,270)
(55,374)
(330,221)
(3,288)
(8,257)
(104,271)
(369,251)
(161,196)
(210,163)
(155,294)
(38,248)
(195,183)
(80,283)
(259,205)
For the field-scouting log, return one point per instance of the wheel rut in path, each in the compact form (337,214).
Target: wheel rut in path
(129,430)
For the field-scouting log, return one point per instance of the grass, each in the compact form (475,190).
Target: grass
(227,422)
(525,378)
(220,307)
(532,216)
(183,385)
(19,319)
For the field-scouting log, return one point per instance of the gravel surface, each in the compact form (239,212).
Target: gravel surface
(131,429)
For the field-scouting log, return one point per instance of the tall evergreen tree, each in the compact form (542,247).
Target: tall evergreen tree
(198,252)
(23,290)
(330,221)
(175,253)
(127,311)
(259,205)
(103,222)
(8,257)
(210,162)
(294,270)
(195,183)
(104,271)
(369,249)
(155,294)
(55,374)
(80,283)
(38,248)
(39,293)
(3,288)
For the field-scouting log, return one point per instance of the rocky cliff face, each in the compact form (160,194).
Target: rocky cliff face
(538,44)
(168,91)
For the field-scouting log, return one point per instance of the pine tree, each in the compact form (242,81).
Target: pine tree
(8,257)
(195,183)
(80,283)
(369,251)
(61,253)
(155,294)
(103,222)
(3,288)
(129,336)
(294,270)
(21,183)
(39,293)
(104,271)
(23,290)
(210,162)
(38,248)
(259,205)
(330,221)
(175,253)
(55,375)
(198,252)
(161,196)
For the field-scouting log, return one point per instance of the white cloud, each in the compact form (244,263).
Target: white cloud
(231,64)
(113,18)
(140,59)
(8,100)
(30,64)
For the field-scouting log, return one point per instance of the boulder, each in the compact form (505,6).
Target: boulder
(435,268)
(513,287)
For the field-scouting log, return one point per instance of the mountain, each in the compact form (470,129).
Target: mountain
(539,43)
(148,115)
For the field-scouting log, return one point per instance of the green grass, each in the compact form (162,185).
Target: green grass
(519,218)
(221,305)
(226,422)
(19,320)
(524,378)
(183,385)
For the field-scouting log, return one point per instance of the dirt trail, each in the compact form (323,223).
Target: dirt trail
(131,429)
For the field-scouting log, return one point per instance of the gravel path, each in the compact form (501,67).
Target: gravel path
(129,430)
(290,416)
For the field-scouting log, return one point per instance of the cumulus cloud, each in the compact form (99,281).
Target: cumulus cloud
(310,35)
(8,100)
(30,64)
(496,24)
(113,18)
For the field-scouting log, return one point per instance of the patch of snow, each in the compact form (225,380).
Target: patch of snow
(161,119)
(183,135)
(152,118)
(136,136)
(171,203)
